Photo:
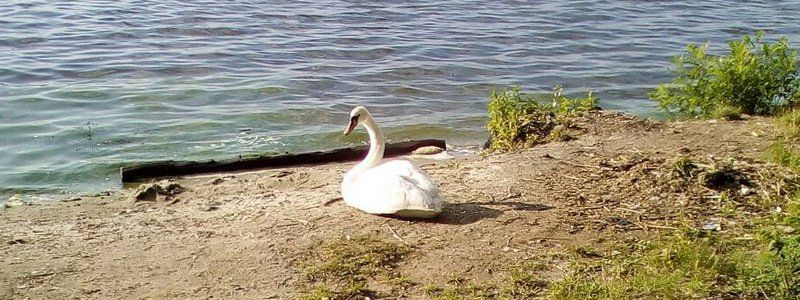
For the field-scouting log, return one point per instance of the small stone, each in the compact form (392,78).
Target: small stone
(745,191)
(152,191)
(787,229)
(14,201)
(712,226)
(427,150)
(208,207)
(146,193)
(17,242)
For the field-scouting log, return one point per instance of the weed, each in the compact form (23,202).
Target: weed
(727,112)
(345,265)
(789,124)
(784,154)
(705,264)
(684,168)
(524,282)
(460,289)
(518,120)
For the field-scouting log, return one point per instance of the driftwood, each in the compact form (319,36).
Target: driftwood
(148,170)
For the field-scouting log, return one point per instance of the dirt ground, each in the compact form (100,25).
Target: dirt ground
(243,235)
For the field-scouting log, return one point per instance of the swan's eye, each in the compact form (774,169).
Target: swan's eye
(354,118)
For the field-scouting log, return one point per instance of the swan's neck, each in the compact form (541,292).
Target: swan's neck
(376,145)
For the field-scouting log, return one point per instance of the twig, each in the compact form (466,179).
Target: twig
(578,165)
(509,196)
(549,238)
(394,233)
(319,186)
(570,177)
(571,163)
(331,201)
(661,227)
(508,221)
(630,210)
(593,207)
(303,222)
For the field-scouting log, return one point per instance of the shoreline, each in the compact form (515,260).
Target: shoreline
(248,235)
(35,197)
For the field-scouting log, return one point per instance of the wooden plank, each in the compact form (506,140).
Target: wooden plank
(147,170)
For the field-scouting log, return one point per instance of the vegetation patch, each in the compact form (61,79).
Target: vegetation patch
(751,251)
(518,120)
(785,150)
(756,78)
(341,269)
(521,282)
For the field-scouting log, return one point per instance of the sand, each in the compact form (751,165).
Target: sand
(243,235)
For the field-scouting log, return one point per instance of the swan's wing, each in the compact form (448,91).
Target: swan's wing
(393,187)
(411,172)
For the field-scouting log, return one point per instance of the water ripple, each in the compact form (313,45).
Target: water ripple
(86,86)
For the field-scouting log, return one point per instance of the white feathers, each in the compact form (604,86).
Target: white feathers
(396,187)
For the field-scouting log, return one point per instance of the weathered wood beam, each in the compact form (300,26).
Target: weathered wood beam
(147,170)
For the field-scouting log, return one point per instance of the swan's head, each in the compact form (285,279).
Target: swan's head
(357,116)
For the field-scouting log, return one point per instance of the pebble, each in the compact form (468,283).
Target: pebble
(73,199)
(427,150)
(712,226)
(787,229)
(14,201)
(745,191)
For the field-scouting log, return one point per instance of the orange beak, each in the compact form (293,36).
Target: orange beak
(352,125)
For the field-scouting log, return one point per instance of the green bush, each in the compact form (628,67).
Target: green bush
(511,112)
(757,78)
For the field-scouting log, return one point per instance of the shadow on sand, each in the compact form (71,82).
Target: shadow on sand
(471,212)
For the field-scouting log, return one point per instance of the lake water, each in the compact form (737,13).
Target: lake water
(86,86)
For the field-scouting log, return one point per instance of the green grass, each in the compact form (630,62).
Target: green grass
(521,282)
(460,289)
(685,168)
(755,256)
(691,265)
(518,120)
(784,154)
(789,125)
(784,151)
(341,269)
(756,77)
(675,268)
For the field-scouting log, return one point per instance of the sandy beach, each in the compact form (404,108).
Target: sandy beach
(248,235)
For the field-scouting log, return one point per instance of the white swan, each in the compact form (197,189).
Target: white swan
(395,187)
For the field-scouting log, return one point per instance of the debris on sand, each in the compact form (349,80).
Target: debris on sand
(723,177)
(14,201)
(712,225)
(151,192)
(427,150)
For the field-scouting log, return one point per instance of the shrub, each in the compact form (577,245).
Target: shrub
(757,78)
(517,119)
